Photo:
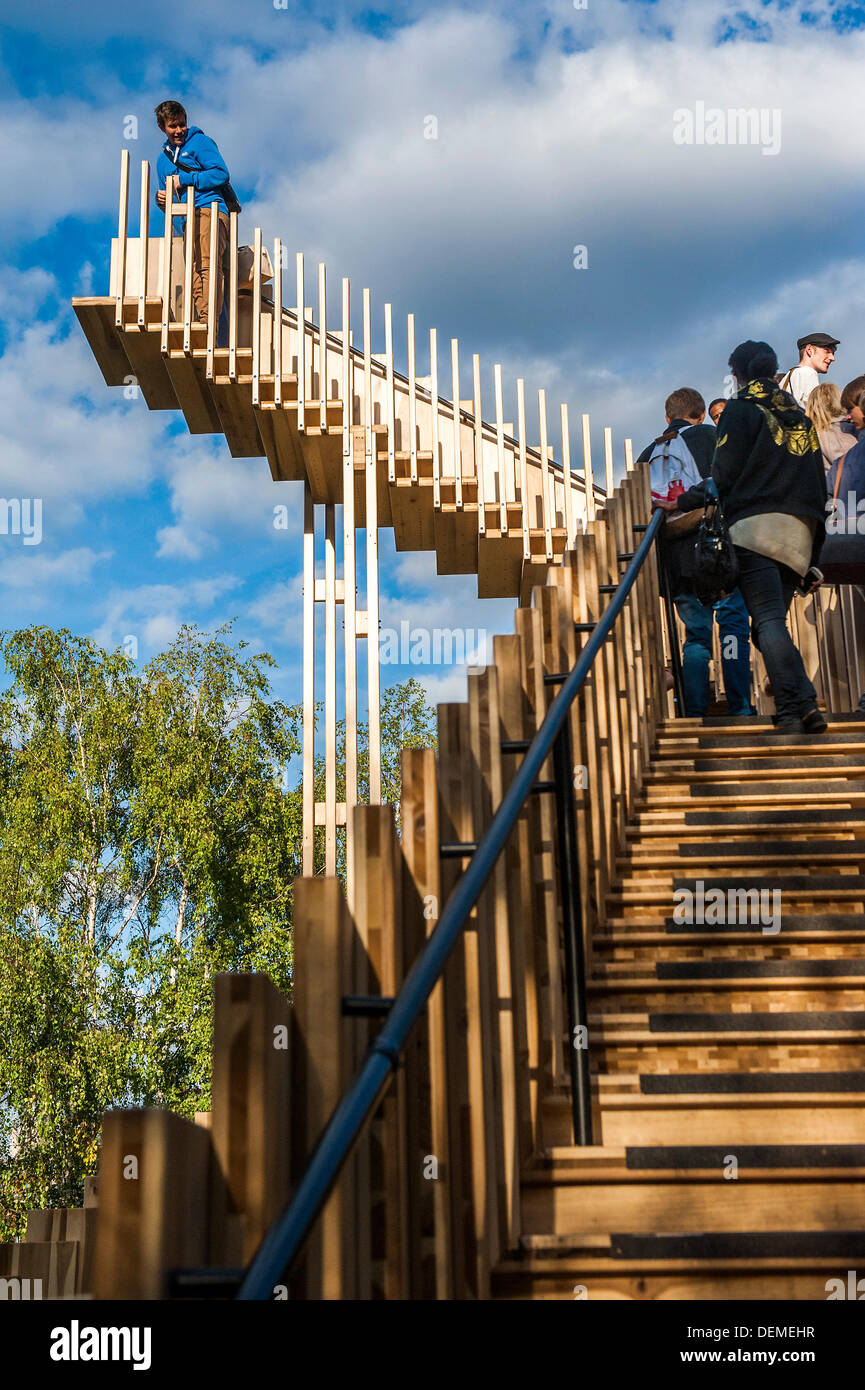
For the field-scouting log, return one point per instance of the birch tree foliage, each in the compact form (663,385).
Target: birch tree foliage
(144,845)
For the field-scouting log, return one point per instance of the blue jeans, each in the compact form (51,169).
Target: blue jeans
(768,589)
(732,618)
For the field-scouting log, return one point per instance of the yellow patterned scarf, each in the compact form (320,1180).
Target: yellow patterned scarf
(788,425)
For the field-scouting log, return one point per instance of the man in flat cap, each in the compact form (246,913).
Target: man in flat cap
(816,355)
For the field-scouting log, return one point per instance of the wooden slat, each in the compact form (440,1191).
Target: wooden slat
(256,316)
(301,345)
(143,241)
(211,292)
(153,1192)
(188,251)
(308,681)
(524,469)
(322,347)
(470,1080)
(232,296)
(324,947)
(546,485)
(378,903)
(167,247)
(455,391)
(495,959)
(389,390)
(587,469)
(479,444)
(434,408)
(122,224)
(439,1117)
(250,1113)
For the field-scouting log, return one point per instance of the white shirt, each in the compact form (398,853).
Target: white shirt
(801,384)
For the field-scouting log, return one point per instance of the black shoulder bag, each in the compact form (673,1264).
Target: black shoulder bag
(716,568)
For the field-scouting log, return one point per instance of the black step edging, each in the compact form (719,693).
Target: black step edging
(731,1245)
(818,1021)
(708,1157)
(764,789)
(800,922)
(854,849)
(750,1083)
(795,969)
(779,816)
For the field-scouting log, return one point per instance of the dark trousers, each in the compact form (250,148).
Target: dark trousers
(767,588)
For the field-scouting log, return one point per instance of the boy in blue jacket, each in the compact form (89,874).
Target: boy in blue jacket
(194,159)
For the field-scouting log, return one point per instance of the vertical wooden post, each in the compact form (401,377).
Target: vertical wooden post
(587,470)
(440,1150)
(211,288)
(167,248)
(412,401)
(349,563)
(372,601)
(322,347)
(330,688)
(143,243)
(122,224)
(434,406)
(570,529)
(154,1175)
(308,681)
(232,296)
(389,390)
(524,467)
(301,345)
(500,449)
(324,953)
(545,475)
(455,391)
(277,323)
(608,459)
(189,253)
(250,1113)
(479,445)
(256,314)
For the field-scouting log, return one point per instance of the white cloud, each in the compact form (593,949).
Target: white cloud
(33,568)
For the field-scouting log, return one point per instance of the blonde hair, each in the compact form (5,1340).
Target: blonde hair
(824,405)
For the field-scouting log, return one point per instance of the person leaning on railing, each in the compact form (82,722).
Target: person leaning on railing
(769,472)
(194,160)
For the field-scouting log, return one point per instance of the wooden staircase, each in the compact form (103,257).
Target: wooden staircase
(729,1057)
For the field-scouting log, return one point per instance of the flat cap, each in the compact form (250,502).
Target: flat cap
(818,340)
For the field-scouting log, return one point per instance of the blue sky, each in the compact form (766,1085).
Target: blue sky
(555,129)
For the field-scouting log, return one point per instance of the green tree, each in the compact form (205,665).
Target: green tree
(144,845)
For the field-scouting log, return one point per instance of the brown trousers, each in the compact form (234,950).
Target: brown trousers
(201,262)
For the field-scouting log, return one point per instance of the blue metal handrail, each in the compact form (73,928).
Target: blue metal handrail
(283,1242)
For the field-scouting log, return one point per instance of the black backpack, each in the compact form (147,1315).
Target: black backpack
(716,568)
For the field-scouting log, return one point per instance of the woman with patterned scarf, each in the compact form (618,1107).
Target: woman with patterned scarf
(769,471)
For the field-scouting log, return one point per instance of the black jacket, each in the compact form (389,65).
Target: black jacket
(678,553)
(768,459)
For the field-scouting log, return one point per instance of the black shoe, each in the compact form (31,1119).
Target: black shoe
(814,723)
(788,725)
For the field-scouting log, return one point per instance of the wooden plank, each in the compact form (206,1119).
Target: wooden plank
(588,473)
(122,223)
(232,296)
(330,688)
(143,242)
(546,486)
(522,922)
(440,1141)
(256,317)
(495,959)
(193,395)
(548,956)
(349,543)
(167,248)
(469,1068)
(148,366)
(325,942)
(479,445)
(322,347)
(434,415)
(308,682)
(250,1113)
(189,253)
(153,1197)
(372,586)
(455,390)
(378,903)
(389,396)
(106,342)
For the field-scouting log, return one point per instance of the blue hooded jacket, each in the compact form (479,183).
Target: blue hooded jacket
(210,173)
